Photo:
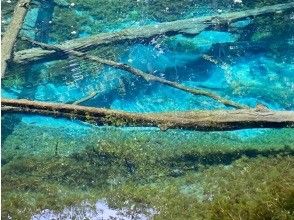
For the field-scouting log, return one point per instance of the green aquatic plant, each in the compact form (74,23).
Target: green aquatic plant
(182,175)
(91,16)
(7,8)
(247,187)
(66,24)
(260,3)
(209,175)
(266,30)
(221,192)
(169,10)
(163,144)
(14,81)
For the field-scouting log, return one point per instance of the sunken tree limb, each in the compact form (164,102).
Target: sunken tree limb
(146,76)
(11,33)
(84,99)
(188,26)
(218,120)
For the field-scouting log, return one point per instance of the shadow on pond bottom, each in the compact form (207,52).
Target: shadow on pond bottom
(212,178)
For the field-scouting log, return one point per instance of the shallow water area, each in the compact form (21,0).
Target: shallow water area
(69,166)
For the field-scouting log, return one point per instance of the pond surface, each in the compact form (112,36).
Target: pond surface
(55,168)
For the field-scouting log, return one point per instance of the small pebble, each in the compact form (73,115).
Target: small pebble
(72,4)
(8,1)
(73,32)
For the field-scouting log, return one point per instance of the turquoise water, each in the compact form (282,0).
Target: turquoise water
(249,61)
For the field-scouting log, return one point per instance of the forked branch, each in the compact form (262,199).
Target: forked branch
(146,76)
(186,26)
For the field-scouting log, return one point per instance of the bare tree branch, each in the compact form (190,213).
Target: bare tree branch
(146,76)
(187,26)
(218,120)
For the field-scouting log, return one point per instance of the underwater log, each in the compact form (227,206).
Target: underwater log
(186,26)
(212,120)
(10,35)
(146,76)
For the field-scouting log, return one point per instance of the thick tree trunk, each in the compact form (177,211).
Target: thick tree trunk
(188,26)
(138,73)
(218,120)
(12,32)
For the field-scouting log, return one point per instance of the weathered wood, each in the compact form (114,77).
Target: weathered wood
(12,32)
(146,76)
(189,26)
(84,99)
(218,120)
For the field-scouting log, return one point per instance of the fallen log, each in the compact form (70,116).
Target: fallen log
(11,33)
(146,76)
(188,26)
(218,120)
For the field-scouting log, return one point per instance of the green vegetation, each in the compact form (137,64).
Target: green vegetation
(273,31)
(91,16)
(183,175)
(7,8)
(258,188)
(268,28)
(260,3)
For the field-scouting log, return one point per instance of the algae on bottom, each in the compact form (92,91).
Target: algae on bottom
(181,175)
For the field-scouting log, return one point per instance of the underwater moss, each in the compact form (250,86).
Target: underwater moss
(247,188)
(7,9)
(180,174)
(222,192)
(208,176)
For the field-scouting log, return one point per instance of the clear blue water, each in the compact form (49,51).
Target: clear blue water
(244,62)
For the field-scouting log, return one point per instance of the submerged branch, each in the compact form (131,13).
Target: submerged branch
(80,101)
(188,26)
(218,120)
(146,76)
(11,33)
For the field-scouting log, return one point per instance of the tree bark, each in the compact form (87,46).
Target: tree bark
(188,26)
(218,120)
(138,73)
(12,32)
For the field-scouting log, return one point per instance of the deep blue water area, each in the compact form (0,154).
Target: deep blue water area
(226,61)
(242,78)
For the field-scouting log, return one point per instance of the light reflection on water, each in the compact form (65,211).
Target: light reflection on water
(99,211)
